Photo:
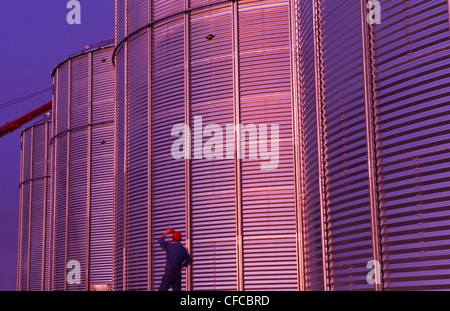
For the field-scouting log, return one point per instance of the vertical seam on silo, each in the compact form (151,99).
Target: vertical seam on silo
(298,178)
(125,173)
(51,211)
(54,144)
(187,115)
(320,134)
(66,250)
(22,215)
(126,150)
(114,269)
(370,136)
(44,222)
(20,235)
(448,16)
(50,208)
(30,211)
(89,172)
(149,145)
(237,143)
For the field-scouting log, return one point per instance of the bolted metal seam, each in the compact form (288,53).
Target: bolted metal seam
(370,135)
(237,143)
(320,139)
(298,169)
(187,116)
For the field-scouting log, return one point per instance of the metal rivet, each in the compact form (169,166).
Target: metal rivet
(103,142)
(210,37)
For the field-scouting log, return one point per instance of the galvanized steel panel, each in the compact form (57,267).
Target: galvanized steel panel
(203,3)
(361,112)
(137,163)
(139,15)
(167,109)
(162,8)
(83,147)
(412,68)
(119,174)
(34,208)
(77,206)
(120,19)
(308,145)
(270,259)
(37,223)
(102,199)
(24,235)
(59,184)
(198,197)
(24,212)
(213,228)
(400,70)
(348,228)
(103,87)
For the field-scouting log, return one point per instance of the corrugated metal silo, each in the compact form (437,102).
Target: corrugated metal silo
(363,151)
(83,166)
(410,55)
(306,143)
(34,252)
(227,62)
(382,102)
(343,143)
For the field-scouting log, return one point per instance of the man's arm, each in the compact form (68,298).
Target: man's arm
(188,260)
(161,240)
(168,231)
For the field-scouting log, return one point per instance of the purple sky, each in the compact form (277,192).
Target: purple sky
(35,37)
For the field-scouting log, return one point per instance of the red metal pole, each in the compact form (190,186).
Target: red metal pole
(14,125)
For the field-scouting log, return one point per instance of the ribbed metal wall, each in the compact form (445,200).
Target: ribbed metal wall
(410,55)
(364,144)
(239,222)
(306,144)
(346,194)
(83,166)
(383,102)
(34,252)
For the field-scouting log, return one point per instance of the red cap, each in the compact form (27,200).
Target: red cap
(177,236)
